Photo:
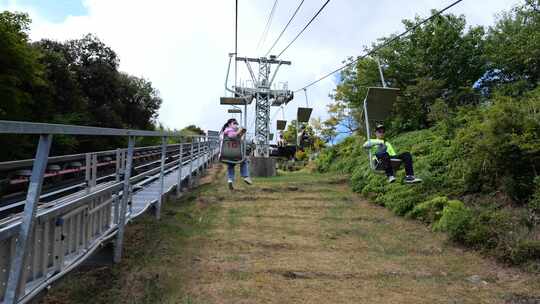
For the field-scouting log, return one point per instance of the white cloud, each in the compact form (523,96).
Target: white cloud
(182,46)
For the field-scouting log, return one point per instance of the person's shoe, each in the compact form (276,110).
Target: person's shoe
(248,181)
(411,179)
(391,179)
(230,183)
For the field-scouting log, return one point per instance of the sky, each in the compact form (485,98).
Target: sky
(182,46)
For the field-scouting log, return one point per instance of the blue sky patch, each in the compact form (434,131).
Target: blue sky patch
(52,10)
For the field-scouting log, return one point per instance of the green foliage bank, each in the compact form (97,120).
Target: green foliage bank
(469,113)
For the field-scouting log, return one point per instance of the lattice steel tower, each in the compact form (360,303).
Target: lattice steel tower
(265,98)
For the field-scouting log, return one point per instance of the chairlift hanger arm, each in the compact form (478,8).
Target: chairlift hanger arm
(381,72)
(228,72)
(227,77)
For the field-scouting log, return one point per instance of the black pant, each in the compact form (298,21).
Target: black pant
(406,158)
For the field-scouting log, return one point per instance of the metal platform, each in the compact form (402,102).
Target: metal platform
(148,196)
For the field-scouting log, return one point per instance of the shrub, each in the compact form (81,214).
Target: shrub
(401,199)
(524,251)
(488,228)
(301,155)
(430,211)
(534,205)
(455,220)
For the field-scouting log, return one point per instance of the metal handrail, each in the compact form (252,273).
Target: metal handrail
(106,207)
(20,127)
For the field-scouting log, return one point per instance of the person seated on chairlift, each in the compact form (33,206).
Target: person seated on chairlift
(303,137)
(384,152)
(231,130)
(281,141)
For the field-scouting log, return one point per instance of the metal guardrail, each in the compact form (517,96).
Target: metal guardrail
(43,244)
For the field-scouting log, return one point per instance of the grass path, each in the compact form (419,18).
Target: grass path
(298,238)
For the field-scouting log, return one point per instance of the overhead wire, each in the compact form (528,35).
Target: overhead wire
(267,27)
(285,28)
(376,49)
(305,27)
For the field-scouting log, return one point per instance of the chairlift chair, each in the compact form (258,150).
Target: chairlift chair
(232,150)
(235,101)
(281,124)
(377,107)
(303,114)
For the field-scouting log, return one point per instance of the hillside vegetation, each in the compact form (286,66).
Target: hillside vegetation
(469,112)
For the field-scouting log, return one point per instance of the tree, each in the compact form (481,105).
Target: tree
(440,59)
(513,50)
(96,67)
(140,101)
(73,82)
(20,70)
(193,130)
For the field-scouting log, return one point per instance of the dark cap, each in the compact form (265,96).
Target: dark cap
(379,127)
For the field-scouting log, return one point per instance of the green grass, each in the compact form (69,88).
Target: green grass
(298,238)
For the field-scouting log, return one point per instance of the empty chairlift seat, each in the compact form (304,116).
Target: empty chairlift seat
(303,114)
(235,101)
(281,124)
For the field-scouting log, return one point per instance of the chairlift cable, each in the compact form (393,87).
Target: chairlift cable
(285,28)
(374,50)
(267,27)
(305,27)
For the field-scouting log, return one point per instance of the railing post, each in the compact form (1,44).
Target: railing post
(199,157)
(118,164)
(88,172)
(94,170)
(28,219)
(161,176)
(191,156)
(207,152)
(124,202)
(180,166)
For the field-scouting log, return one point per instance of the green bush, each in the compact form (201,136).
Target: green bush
(488,229)
(524,251)
(301,155)
(534,205)
(456,220)
(430,211)
(486,155)
(401,199)
(501,145)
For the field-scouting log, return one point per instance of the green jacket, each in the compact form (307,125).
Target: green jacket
(377,145)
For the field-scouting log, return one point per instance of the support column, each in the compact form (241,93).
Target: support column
(191,156)
(28,219)
(161,176)
(180,166)
(123,205)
